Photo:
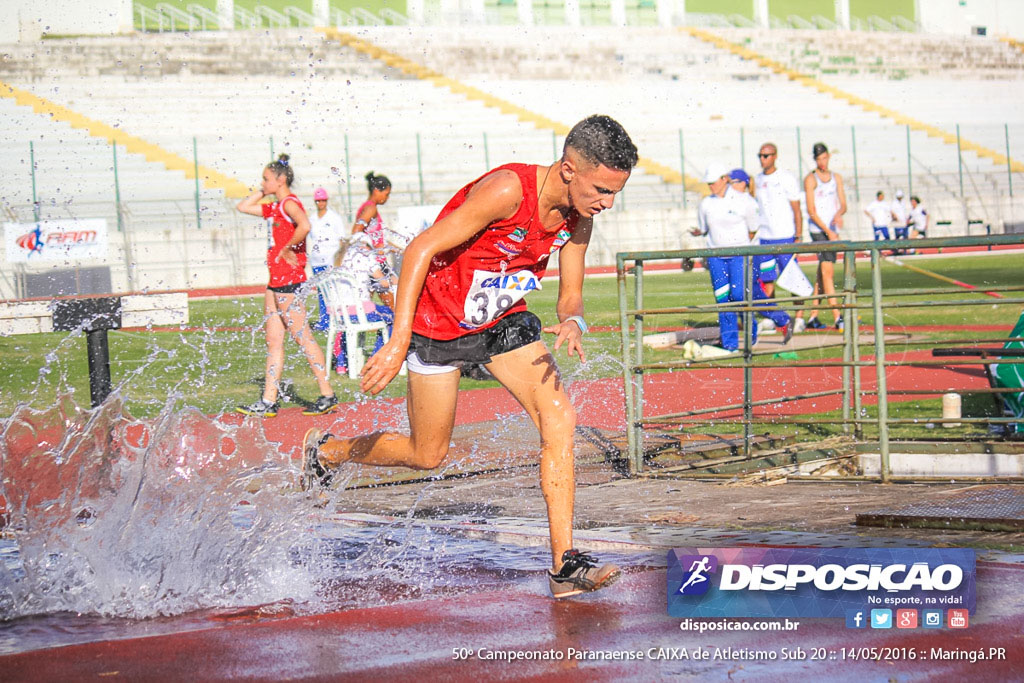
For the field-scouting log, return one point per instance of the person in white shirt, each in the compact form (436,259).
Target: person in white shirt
(326,237)
(879,211)
(826,204)
(729,218)
(778,197)
(919,219)
(899,216)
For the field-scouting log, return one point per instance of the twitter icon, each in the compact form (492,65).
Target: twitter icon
(881,618)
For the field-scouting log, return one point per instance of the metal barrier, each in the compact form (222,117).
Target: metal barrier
(632,322)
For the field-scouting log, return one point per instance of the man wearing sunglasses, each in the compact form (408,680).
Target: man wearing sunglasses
(778,196)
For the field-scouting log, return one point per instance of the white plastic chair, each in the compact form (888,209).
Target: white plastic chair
(346,312)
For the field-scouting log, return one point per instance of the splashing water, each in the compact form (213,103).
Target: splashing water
(119,517)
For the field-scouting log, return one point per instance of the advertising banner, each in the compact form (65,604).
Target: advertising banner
(67,241)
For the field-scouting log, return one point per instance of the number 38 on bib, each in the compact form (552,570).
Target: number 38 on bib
(492,294)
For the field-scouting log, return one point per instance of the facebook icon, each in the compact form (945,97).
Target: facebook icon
(855,618)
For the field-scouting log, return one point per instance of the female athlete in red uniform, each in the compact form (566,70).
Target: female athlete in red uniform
(286,260)
(460,301)
(368,218)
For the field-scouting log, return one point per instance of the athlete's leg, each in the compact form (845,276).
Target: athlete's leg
(727,325)
(275,347)
(293,312)
(771,310)
(431,404)
(828,285)
(533,378)
(735,266)
(324,320)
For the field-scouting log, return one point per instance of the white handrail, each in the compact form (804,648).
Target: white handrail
(741,21)
(145,13)
(905,24)
(245,19)
(206,15)
(393,17)
(274,18)
(177,15)
(824,23)
(877,23)
(796,21)
(341,18)
(366,17)
(301,18)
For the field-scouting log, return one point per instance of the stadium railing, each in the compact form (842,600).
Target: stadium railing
(853,419)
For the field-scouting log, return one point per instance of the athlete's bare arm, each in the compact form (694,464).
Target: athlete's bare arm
(571,268)
(301,222)
(364,217)
(798,222)
(494,198)
(251,204)
(838,220)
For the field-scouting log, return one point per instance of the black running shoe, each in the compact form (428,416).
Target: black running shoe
(260,408)
(580,574)
(787,333)
(324,404)
(815,324)
(312,471)
(840,324)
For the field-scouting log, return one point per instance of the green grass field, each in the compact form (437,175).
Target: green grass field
(221,364)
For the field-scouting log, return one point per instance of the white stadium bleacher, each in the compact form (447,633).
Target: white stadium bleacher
(339,113)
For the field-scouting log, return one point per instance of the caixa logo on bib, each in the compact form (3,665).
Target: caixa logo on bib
(816,582)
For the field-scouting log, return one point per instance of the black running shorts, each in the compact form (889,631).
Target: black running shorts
(508,334)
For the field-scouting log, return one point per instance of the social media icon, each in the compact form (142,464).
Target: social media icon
(906,618)
(856,618)
(931,618)
(957,618)
(881,618)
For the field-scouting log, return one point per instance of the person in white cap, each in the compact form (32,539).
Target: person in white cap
(880,212)
(326,237)
(729,218)
(899,216)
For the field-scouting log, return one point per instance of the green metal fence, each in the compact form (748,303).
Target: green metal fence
(632,321)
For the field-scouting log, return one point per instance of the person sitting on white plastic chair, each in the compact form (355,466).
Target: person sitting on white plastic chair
(351,289)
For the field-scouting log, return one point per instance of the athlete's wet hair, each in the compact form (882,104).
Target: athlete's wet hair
(601,140)
(915,198)
(281,167)
(377,182)
(879,194)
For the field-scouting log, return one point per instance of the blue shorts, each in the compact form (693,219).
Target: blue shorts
(768,266)
(902,233)
(881,232)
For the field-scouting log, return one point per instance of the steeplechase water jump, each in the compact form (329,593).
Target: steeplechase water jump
(511,341)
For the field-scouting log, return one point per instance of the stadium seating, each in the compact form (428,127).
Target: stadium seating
(236,97)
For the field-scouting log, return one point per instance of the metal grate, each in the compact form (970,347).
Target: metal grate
(988,508)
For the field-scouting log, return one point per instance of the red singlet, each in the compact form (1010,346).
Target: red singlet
(280,230)
(472,286)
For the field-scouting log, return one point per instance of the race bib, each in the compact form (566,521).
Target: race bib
(492,294)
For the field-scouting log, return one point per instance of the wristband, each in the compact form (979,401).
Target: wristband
(578,319)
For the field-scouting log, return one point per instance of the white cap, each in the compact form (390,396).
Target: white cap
(899,194)
(715,171)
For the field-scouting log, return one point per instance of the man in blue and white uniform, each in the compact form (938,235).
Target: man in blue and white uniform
(729,219)
(778,198)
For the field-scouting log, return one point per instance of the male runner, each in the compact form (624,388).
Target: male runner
(778,196)
(460,301)
(879,212)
